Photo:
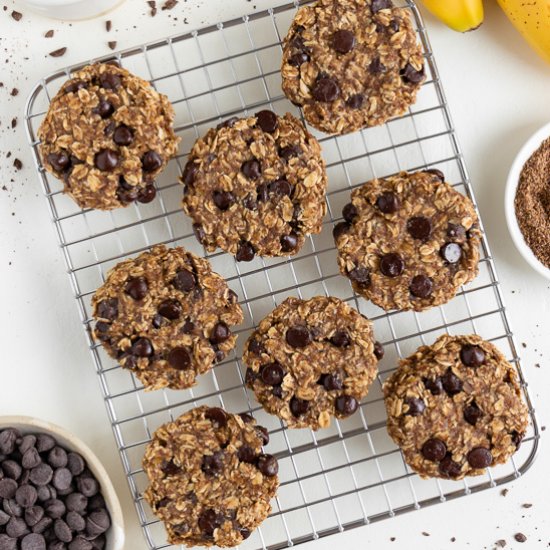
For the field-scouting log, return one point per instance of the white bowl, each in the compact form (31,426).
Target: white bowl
(532,144)
(26,424)
(71,9)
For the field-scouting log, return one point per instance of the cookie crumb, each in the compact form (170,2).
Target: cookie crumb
(58,53)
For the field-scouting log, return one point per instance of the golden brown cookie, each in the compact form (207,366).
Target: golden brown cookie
(408,241)
(209,480)
(166,316)
(107,135)
(455,408)
(310,360)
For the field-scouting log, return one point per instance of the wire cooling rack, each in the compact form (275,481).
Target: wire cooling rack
(352,473)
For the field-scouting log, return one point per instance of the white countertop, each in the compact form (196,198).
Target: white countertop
(498,93)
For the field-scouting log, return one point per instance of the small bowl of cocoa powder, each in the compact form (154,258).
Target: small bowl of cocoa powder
(527,201)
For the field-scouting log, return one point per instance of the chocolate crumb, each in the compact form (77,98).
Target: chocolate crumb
(504,492)
(425,534)
(501,543)
(153,6)
(58,53)
(112,44)
(169,4)
(520,537)
(453,539)
(49,34)
(108,25)
(523,344)
(13,122)
(16,15)
(392,539)
(526,505)
(18,164)
(14,92)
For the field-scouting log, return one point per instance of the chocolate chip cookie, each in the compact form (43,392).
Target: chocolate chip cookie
(209,480)
(455,408)
(351,63)
(166,316)
(107,135)
(408,241)
(256,186)
(310,360)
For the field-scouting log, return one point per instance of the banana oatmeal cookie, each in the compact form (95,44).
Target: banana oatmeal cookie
(408,241)
(256,186)
(107,135)
(166,316)
(455,408)
(352,63)
(310,360)
(209,481)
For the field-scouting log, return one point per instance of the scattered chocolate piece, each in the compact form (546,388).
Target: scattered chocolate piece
(108,25)
(14,92)
(58,53)
(18,164)
(169,4)
(49,34)
(14,122)
(17,15)
(526,505)
(520,537)
(112,44)
(501,543)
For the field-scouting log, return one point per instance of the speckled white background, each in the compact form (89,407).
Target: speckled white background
(498,93)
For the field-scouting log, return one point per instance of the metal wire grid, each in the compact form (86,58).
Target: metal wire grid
(350,474)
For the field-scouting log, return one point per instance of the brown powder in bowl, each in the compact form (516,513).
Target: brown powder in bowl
(532,202)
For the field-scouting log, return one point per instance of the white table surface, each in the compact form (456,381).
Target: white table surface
(498,91)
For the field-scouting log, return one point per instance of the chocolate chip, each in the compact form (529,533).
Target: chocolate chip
(343,41)
(298,336)
(355,101)
(472,356)
(170,468)
(272,374)
(479,458)
(80,543)
(268,465)
(378,5)
(378,350)
(59,161)
(142,347)
(220,333)
(223,199)
(33,515)
(388,203)
(137,288)
(251,169)
(516,438)
(170,309)
(289,242)
(339,230)
(411,75)
(392,265)
(451,383)
(267,121)
(106,160)
(12,508)
(76,502)
(249,377)
(451,253)
(7,488)
(184,281)
(246,454)
(437,173)
(332,381)
(74,86)
(449,468)
(110,81)
(106,309)
(298,59)
(281,188)
(435,387)
(57,457)
(62,531)
(472,413)
(209,521)
(16,527)
(419,228)
(179,358)
(246,418)
(415,406)
(434,450)
(340,339)
(43,525)
(54,508)
(376,66)
(212,464)
(298,406)
(350,213)
(421,286)
(26,496)
(290,151)
(62,479)
(250,203)
(326,90)
(245,252)
(151,161)
(217,416)
(346,405)
(199,233)
(229,123)
(189,173)
(360,275)
(456,232)
(31,459)
(104,109)
(263,434)
(147,194)
(520,537)
(7,542)
(11,469)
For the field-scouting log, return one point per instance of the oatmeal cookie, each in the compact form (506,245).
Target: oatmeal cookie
(408,241)
(455,408)
(256,186)
(310,360)
(166,316)
(209,481)
(107,135)
(351,63)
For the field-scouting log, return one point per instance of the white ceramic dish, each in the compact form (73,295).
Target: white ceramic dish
(532,144)
(71,9)
(25,424)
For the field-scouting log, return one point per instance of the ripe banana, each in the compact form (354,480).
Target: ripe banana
(460,15)
(532,19)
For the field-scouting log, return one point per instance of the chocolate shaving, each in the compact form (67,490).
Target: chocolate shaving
(58,53)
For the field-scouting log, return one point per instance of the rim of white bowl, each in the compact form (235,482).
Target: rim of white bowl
(528,148)
(116,536)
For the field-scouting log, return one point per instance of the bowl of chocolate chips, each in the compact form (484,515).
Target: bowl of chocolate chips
(54,492)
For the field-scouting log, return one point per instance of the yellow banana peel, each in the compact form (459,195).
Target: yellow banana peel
(460,15)
(532,19)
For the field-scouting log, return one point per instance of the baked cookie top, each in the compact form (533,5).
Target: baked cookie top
(455,408)
(408,241)
(166,316)
(209,480)
(256,186)
(310,360)
(351,63)
(107,135)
